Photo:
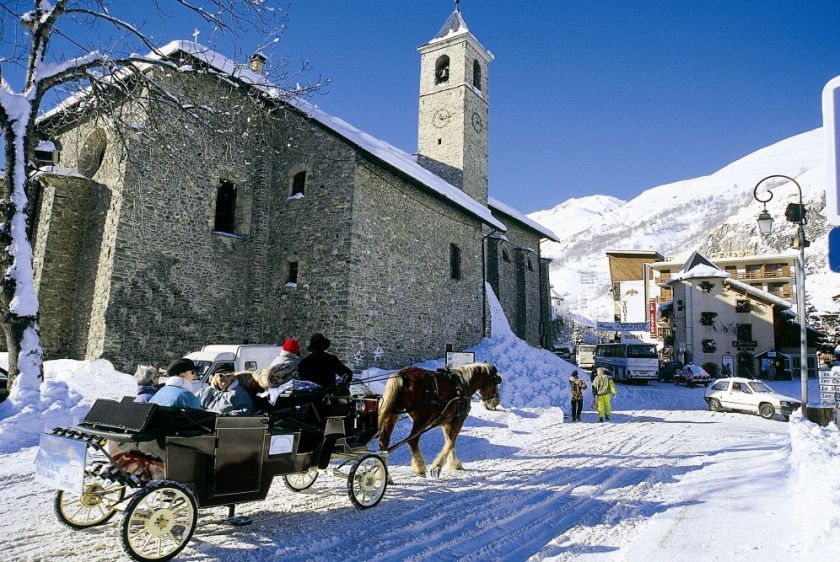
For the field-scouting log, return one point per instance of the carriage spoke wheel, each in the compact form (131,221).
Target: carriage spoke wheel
(367,481)
(94,506)
(300,481)
(158,521)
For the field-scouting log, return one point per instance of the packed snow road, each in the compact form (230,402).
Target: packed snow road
(533,487)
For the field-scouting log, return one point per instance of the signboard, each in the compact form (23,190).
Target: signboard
(738,344)
(831,130)
(459,358)
(60,463)
(829,389)
(652,310)
(834,249)
(621,326)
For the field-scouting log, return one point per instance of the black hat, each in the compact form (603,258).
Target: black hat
(179,366)
(318,342)
(574,373)
(226,367)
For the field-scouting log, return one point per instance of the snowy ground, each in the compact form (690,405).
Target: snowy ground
(664,480)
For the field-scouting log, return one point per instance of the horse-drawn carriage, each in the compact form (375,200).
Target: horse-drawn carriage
(108,463)
(158,465)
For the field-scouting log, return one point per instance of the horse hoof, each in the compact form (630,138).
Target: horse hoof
(435,472)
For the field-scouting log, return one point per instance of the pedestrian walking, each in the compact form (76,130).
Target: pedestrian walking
(577,387)
(604,388)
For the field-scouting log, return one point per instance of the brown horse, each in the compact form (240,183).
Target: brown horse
(435,398)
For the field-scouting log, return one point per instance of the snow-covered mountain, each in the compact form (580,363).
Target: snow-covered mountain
(714,213)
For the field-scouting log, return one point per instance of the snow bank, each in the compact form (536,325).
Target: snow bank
(64,397)
(815,460)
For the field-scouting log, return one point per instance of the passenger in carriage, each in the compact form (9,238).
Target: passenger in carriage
(289,355)
(147,383)
(225,395)
(321,367)
(177,387)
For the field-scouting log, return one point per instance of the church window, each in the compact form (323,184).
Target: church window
(476,75)
(299,183)
(442,69)
(505,255)
(92,153)
(225,207)
(454,261)
(530,265)
(293,272)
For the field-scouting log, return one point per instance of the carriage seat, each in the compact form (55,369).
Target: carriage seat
(131,421)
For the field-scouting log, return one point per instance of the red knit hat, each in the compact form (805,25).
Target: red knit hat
(292,346)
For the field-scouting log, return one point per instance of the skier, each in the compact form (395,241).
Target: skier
(604,388)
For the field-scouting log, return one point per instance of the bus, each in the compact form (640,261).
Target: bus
(628,361)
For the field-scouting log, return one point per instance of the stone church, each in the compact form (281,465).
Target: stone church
(254,216)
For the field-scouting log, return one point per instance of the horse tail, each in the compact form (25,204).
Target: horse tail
(388,404)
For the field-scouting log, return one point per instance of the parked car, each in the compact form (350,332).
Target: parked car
(691,375)
(245,357)
(4,384)
(564,353)
(749,395)
(667,370)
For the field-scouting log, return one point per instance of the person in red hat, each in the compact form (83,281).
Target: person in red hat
(289,356)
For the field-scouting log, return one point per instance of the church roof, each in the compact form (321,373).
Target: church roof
(494,203)
(380,150)
(454,25)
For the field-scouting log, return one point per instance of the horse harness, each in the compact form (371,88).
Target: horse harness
(431,391)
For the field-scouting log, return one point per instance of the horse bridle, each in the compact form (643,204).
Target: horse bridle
(488,402)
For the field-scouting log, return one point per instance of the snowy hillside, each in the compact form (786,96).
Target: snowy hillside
(714,213)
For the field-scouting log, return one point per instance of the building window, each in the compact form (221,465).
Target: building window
(225,207)
(742,306)
(454,261)
(92,153)
(505,255)
(743,332)
(529,264)
(753,271)
(293,273)
(442,70)
(299,183)
(476,75)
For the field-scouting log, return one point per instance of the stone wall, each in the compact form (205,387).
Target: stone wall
(404,299)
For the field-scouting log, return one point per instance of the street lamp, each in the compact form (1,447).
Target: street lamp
(794,213)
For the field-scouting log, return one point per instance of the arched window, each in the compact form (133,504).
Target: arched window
(225,207)
(476,75)
(92,153)
(442,69)
(299,183)
(505,255)
(454,261)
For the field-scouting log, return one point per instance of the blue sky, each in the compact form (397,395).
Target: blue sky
(586,97)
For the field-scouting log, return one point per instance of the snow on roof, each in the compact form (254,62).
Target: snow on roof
(758,293)
(510,211)
(46,146)
(377,148)
(454,25)
(698,272)
(59,171)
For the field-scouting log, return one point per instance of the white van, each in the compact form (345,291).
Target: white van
(246,357)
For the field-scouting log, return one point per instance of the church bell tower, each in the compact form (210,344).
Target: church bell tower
(454,107)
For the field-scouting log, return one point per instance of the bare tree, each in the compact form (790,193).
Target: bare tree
(89,46)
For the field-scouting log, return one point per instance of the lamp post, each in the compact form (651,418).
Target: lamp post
(794,213)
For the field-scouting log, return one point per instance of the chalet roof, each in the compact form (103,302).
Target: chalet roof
(494,203)
(695,259)
(392,157)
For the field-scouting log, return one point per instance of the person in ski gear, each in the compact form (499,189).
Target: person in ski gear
(177,388)
(225,395)
(577,386)
(321,367)
(604,388)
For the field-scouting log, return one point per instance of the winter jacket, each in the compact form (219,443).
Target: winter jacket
(602,385)
(174,393)
(144,393)
(321,368)
(286,359)
(232,401)
(577,386)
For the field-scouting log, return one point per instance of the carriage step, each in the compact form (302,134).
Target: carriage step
(94,441)
(338,473)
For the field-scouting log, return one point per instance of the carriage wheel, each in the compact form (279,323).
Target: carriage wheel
(300,481)
(158,521)
(367,481)
(94,506)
